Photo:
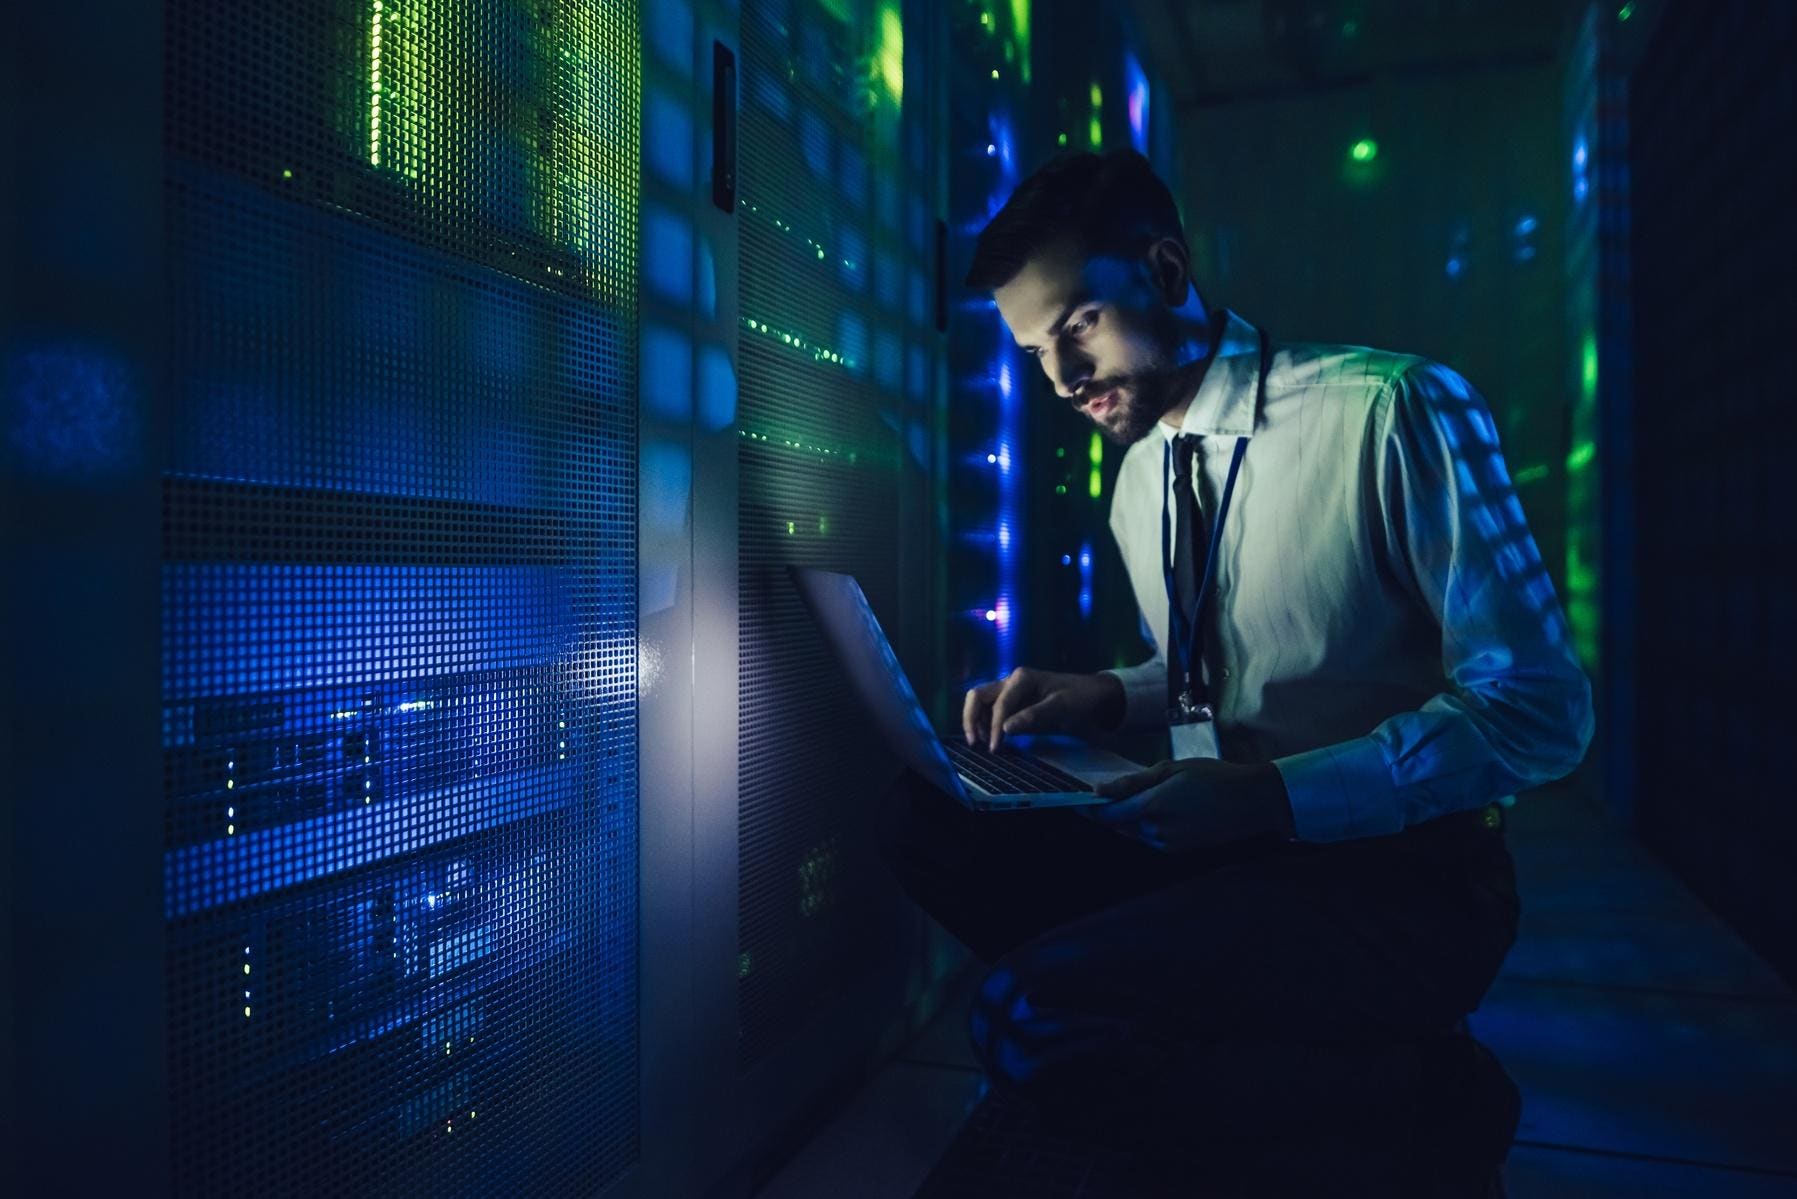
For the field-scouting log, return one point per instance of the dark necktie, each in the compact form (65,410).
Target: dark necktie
(1188,532)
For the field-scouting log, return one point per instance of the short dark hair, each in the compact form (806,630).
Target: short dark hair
(1112,203)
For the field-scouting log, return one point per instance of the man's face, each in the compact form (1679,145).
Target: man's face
(1103,333)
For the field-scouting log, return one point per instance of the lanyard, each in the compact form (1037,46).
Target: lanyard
(1186,635)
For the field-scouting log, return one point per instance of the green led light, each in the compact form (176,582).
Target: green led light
(287,173)
(1060,489)
(1061,140)
(1588,366)
(1095,133)
(791,528)
(1365,150)
(816,872)
(1532,474)
(1020,31)
(1095,450)
(889,53)
(1060,451)
(995,72)
(1626,11)
(1095,483)
(1581,456)
(797,341)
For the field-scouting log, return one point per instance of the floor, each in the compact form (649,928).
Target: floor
(1657,1055)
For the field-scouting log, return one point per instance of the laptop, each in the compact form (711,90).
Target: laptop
(1026,772)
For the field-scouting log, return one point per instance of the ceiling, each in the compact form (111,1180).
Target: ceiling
(1215,51)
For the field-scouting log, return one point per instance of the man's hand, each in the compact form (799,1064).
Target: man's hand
(1196,802)
(1040,701)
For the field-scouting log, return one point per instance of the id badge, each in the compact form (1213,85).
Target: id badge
(1195,739)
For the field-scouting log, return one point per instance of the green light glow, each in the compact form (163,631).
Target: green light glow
(815,875)
(889,52)
(798,342)
(1588,375)
(1581,456)
(1060,489)
(1020,29)
(1583,613)
(833,453)
(1626,11)
(1061,140)
(578,158)
(1095,131)
(1095,483)
(815,247)
(1095,450)
(1531,474)
(374,88)
(1365,150)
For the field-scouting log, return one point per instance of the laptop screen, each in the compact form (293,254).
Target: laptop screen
(841,610)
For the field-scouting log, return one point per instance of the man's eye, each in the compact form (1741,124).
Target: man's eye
(1081,325)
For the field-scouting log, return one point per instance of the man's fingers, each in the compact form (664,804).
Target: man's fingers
(1010,696)
(1122,811)
(1037,715)
(973,709)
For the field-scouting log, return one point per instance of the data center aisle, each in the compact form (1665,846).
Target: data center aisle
(1656,1053)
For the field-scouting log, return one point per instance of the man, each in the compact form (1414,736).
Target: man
(1270,940)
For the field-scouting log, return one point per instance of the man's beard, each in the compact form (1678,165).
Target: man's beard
(1140,403)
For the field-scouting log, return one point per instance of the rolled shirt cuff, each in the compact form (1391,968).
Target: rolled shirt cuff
(1144,694)
(1341,791)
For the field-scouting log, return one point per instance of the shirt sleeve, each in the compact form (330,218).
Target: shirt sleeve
(1144,687)
(1144,684)
(1516,710)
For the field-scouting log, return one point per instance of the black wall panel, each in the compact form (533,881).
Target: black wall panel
(1712,119)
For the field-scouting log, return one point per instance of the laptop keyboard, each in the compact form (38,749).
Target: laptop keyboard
(1008,772)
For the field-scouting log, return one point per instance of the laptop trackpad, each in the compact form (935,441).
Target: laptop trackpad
(1077,758)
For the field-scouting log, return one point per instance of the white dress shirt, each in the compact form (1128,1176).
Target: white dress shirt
(1382,628)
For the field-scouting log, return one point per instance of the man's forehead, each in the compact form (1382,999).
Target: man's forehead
(1062,274)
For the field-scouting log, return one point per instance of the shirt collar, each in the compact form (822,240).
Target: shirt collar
(1224,405)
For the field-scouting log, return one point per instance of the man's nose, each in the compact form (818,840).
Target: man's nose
(1068,374)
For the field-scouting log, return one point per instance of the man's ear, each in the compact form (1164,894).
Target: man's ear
(1170,271)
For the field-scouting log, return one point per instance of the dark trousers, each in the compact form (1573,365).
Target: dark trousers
(1257,990)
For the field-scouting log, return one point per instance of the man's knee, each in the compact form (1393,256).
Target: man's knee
(1015,1034)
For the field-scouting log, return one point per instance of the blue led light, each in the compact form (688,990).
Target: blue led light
(1136,85)
(1066,559)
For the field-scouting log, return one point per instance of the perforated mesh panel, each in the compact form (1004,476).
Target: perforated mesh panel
(837,353)
(399,597)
